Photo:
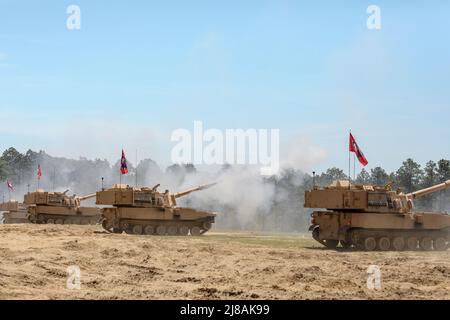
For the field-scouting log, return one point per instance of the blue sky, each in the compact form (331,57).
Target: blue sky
(139,69)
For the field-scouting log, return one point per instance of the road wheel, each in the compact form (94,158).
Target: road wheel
(345,244)
(161,230)
(137,229)
(315,233)
(426,243)
(207,225)
(332,244)
(59,221)
(440,244)
(411,243)
(195,231)
(172,230)
(50,221)
(184,231)
(352,237)
(106,224)
(384,243)
(148,230)
(117,230)
(370,244)
(398,244)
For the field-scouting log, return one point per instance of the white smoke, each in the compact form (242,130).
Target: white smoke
(299,153)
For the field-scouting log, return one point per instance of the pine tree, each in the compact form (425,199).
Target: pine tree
(378,176)
(363,177)
(409,175)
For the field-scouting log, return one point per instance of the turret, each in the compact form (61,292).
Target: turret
(41,197)
(127,196)
(340,196)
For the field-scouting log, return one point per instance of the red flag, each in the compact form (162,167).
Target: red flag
(123,164)
(9,184)
(353,147)
(39,171)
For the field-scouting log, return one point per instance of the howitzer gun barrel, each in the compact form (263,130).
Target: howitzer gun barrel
(89,196)
(202,187)
(435,188)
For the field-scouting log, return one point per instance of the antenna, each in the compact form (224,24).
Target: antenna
(314,179)
(102,184)
(54,177)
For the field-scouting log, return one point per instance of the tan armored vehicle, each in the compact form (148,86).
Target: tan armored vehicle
(148,211)
(59,208)
(14,212)
(370,217)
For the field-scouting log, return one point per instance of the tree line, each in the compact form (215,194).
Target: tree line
(279,206)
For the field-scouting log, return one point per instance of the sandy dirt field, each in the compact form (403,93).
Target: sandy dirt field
(34,261)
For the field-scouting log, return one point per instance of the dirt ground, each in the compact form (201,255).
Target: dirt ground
(218,265)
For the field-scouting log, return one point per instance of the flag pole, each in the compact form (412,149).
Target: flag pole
(349,177)
(136,173)
(354,167)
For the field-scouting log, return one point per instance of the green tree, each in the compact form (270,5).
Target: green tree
(443,170)
(409,175)
(363,177)
(429,178)
(378,176)
(3,170)
(443,174)
(430,175)
(332,174)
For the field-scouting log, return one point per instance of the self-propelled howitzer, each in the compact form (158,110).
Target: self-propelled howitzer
(147,211)
(372,217)
(59,208)
(14,212)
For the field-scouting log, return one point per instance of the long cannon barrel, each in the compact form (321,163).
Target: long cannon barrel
(202,187)
(89,196)
(424,192)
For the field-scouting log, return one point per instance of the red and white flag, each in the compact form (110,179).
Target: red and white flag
(353,147)
(39,171)
(123,164)
(10,185)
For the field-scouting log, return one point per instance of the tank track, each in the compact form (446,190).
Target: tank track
(8,219)
(389,240)
(158,227)
(63,219)
(14,221)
